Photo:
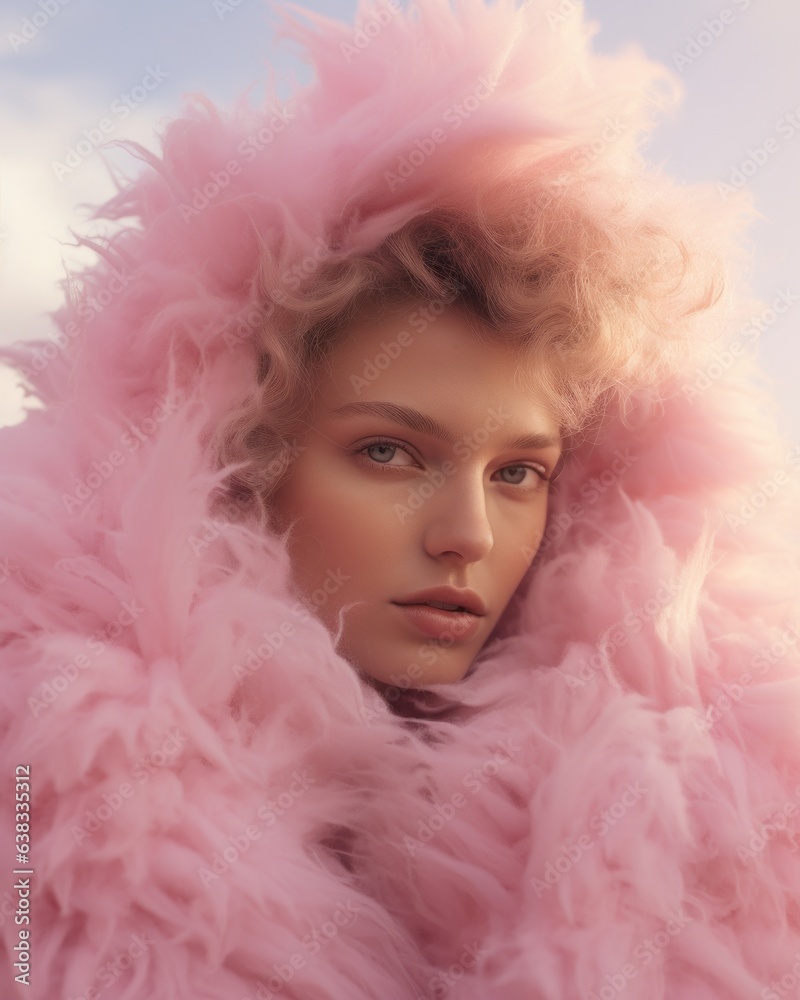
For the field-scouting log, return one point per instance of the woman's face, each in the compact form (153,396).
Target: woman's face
(413,475)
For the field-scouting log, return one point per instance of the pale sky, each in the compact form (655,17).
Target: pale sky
(63,73)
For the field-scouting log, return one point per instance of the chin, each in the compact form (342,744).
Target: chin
(410,675)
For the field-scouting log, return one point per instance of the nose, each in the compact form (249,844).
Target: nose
(457,521)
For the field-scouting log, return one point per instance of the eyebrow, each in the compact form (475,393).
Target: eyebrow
(426,424)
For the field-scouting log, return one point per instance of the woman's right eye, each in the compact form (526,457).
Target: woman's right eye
(381,453)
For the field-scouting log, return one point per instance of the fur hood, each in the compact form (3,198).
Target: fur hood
(221,809)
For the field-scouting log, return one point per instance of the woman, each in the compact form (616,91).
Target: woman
(488,299)
(428,341)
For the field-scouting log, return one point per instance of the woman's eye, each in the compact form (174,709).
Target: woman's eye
(389,454)
(382,453)
(518,476)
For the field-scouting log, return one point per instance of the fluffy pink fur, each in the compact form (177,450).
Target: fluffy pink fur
(221,809)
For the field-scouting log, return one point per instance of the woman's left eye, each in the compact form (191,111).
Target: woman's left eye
(540,475)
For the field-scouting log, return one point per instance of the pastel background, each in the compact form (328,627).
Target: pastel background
(67,65)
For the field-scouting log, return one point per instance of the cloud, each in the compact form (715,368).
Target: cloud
(40,202)
(25,31)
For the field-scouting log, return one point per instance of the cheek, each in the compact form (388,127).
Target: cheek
(338,523)
(519,544)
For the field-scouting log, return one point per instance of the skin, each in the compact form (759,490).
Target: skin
(371,523)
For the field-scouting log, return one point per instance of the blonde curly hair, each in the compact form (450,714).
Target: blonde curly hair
(598,301)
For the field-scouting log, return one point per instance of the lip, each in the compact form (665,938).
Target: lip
(436,623)
(447,595)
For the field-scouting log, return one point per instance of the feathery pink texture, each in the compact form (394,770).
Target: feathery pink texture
(221,808)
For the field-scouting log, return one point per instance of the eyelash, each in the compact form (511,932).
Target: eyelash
(390,442)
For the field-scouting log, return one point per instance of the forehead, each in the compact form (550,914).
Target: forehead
(436,359)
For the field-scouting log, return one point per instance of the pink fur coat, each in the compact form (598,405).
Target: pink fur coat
(219,807)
